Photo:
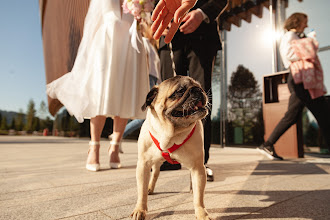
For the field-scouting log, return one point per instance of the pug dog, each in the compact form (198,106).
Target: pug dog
(172,131)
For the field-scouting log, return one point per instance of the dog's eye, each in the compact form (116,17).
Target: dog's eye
(178,93)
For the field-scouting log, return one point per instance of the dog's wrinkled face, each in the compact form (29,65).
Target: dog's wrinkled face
(180,99)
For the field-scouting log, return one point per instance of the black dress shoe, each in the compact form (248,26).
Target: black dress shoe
(209,174)
(167,166)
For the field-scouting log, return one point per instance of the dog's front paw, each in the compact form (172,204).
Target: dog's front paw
(201,214)
(150,191)
(139,214)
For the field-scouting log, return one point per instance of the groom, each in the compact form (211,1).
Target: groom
(195,46)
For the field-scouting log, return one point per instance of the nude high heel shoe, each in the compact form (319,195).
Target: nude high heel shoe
(114,165)
(120,148)
(93,167)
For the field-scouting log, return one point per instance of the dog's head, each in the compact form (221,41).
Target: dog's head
(180,100)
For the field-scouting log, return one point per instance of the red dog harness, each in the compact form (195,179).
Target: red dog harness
(166,155)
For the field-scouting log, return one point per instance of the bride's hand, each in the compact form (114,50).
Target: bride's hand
(164,12)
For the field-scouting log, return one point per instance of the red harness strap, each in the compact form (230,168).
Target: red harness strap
(166,155)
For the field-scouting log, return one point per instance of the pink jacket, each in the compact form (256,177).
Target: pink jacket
(308,69)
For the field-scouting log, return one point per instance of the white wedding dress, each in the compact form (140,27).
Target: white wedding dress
(110,75)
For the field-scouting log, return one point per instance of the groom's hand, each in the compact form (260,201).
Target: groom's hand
(192,21)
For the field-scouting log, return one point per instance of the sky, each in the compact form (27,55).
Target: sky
(22,73)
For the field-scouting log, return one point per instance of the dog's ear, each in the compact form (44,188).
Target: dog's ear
(150,97)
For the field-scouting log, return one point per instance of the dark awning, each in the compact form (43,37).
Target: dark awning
(244,9)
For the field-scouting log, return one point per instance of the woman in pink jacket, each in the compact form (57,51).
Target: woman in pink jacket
(295,59)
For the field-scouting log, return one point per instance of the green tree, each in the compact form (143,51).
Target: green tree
(47,123)
(19,121)
(69,124)
(245,101)
(13,125)
(36,124)
(57,122)
(30,116)
(65,122)
(4,125)
(42,111)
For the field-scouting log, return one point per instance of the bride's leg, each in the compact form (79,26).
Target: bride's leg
(119,125)
(96,127)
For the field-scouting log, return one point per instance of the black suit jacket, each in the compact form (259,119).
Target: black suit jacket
(207,34)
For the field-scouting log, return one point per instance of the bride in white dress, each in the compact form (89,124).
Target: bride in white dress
(109,77)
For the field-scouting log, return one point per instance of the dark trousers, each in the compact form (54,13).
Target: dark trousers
(197,62)
(300,98)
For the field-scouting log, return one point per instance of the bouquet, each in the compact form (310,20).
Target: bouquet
(138,8)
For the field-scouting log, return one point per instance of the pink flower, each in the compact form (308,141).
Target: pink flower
(148,6)
(138,8)
(125,8)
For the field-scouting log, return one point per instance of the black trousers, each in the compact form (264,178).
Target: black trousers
(197,62)
(300,98)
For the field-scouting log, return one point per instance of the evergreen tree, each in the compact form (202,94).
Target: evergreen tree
(57,123)
(4,125)
(245,102)
(30,115)
(47,123)
(19,121)
(65,122)
(42,111)
(13,125)
(69,124)
(36,124)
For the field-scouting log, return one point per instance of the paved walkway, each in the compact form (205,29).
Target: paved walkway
(44,178)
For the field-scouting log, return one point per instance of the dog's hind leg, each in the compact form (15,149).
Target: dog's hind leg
(154,176)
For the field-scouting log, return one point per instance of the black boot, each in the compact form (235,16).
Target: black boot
(269,151)
(167,166)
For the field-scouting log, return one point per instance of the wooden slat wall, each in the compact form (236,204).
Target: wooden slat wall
(62,29)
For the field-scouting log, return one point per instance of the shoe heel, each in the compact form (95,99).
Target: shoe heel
(114,165)
(120,148)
